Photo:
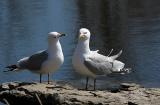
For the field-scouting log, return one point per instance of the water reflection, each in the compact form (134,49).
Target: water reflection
(129,25)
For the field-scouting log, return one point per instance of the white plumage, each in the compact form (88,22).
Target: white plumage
(91,63)
(43,62)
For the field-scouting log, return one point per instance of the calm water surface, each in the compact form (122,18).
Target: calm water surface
(133,26)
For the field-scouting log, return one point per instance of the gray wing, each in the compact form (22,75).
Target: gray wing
(34,62)
(98,66)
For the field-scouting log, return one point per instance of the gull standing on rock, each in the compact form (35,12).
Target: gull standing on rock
(91,63)
(43,62)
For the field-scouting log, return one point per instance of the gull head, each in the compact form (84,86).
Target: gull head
(53,36)
(84,34)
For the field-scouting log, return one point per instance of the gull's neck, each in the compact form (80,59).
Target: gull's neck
(55,47)
(83,46)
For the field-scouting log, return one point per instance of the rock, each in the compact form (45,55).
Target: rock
(129,86)
(63,93)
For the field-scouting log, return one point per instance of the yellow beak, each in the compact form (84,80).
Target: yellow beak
(81,37)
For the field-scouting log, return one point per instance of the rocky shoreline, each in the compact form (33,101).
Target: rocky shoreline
(61,93)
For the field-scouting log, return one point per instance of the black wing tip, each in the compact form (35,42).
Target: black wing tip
(11,68)
(7,67)
(126,71)
(6,70)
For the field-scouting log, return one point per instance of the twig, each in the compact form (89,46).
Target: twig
(39,100)
(5,100)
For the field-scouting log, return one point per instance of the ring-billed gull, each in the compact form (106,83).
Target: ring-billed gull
(43,62)
(91,63)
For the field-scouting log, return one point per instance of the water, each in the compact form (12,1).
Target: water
(133,26)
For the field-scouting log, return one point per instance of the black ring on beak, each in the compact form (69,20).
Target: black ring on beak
(62,34)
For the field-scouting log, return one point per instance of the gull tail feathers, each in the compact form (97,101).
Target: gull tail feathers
(125,70)
(116,56)
(11,68)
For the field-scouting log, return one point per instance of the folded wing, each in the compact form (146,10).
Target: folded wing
(97,66)
(33,62)
(100,64)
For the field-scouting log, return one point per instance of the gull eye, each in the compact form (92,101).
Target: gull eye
(55,37)
(85,32)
